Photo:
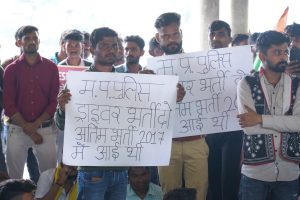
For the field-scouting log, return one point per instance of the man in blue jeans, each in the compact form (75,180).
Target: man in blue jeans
(98,183)
(3,170)
(269,112)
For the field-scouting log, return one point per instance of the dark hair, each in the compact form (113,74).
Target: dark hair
(61,39)
(17,33)
(237,38)
(14,187)
(153,43)
(86,35)
(253,38)
(181,194)
(269,38)
(167,19)
(146,168)
(99,33)
(24,30)
(73,35)
(293,29)
(136,39)
(218,24)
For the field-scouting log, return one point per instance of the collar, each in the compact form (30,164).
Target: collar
(130,191)
(23,59)
(80,64)
(287,89)
(151,191)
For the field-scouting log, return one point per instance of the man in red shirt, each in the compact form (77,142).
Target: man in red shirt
(31,86)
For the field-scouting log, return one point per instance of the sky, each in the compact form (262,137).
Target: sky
(130,17)
(264,14)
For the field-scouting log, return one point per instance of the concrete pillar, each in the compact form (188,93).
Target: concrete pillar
(209,11)
(239,16)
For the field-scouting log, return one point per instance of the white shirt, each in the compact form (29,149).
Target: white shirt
(278,102)
(44,185)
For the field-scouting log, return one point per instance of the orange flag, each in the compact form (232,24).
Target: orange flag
(281,24)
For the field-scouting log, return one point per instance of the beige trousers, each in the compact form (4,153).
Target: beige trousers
(188,161)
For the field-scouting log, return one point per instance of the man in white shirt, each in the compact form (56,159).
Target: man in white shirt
(269,113)
(73,42)
(140,187)
(58,183)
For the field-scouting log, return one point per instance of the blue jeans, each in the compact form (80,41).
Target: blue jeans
(251,189)
(2,150)
(102,184)
(2,158)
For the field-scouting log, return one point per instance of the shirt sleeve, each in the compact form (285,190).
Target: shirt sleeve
(51,108)
(284,123)
(44,183)
(59,119)
(9,91)
(244,97)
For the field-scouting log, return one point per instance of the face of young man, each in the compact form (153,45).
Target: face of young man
(29,43)
(86,48)
(120,54)
(139,179)
(106,51)
(73,48)
(242,43)
(133,53)
(219,38)
(170,39)
(276,59)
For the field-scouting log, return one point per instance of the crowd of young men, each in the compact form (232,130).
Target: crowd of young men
(260,161)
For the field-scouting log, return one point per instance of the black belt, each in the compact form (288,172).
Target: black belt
(45,124)
(189,138)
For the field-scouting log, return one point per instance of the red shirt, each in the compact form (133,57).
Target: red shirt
(30,89)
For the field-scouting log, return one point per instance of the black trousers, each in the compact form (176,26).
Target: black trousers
(224,165)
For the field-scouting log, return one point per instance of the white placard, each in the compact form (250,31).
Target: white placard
(210,79)
(119,119)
